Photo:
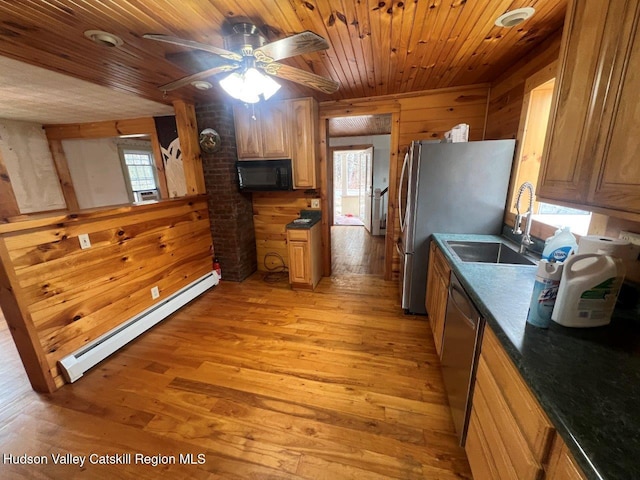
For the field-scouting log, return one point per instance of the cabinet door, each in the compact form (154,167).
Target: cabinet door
(248,138)
(616,180)
(562,466)
(274,126)
(437,294)
(299,265)
(568,153)
(303,117)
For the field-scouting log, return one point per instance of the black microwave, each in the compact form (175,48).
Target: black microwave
(264,175)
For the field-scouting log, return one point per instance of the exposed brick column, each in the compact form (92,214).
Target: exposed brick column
(230,212)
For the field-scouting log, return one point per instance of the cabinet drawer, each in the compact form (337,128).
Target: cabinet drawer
(441,265)
(528,415)
(299,235)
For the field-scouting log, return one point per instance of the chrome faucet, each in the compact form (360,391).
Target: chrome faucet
(526,236)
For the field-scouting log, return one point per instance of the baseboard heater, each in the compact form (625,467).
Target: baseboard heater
(73,366)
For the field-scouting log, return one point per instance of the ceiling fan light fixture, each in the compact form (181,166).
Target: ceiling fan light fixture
(104,39)
(249,85)
(514,17)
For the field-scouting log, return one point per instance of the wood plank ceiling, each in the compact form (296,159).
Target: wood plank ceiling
(376,47)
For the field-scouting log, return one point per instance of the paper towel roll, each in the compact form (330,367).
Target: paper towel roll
(616,247)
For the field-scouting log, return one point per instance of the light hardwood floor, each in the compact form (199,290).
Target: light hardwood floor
(354,250)
(266,382)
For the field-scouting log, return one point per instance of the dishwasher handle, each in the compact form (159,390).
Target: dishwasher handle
(461,302)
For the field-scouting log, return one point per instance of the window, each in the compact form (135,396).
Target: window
(140,172)
(535,115)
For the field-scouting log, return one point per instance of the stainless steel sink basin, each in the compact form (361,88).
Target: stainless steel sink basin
(487,252)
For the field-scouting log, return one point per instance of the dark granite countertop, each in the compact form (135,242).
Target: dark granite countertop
(314,216)
(586,380)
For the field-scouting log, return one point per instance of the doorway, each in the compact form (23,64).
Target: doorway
(358,171)
(352,185)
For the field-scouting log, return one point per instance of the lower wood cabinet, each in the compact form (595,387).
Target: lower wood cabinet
(509,435)
(438,276)
(562,466)
(305,257)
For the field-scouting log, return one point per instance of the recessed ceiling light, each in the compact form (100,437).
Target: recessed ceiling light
(104,39)
(201,85)
(514,17)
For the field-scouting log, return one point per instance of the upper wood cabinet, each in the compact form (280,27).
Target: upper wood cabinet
(286,129)
(262,131)
(593,140)
(303,118)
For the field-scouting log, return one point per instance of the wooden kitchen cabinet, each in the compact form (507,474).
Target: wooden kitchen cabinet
(303,119)
(562,465)
(286,129)
(591,150)
(438,275)
(305,257)
(509,435)
(262,131)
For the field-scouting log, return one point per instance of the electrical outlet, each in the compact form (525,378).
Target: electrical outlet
(84,241)
(315,203)
(155,292)
(630,236)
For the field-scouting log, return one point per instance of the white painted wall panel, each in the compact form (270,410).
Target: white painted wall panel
(26,153)
(96,172)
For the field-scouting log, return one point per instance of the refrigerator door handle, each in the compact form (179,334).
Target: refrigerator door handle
(400,212)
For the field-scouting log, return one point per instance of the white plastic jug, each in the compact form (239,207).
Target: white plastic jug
(588,290)
(559,246)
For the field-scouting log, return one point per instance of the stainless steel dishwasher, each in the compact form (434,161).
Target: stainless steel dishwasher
(462,335)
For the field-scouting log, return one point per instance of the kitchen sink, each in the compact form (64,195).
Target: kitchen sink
(487,252)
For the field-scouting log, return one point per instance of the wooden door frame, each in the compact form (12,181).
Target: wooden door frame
(345,109)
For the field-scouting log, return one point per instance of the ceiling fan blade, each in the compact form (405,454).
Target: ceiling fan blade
(197,76)
(305,42)
(191,44)
(303,77)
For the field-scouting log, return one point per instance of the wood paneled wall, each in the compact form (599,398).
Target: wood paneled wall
(507,91)
(271,213)
(422,115)
(57,297)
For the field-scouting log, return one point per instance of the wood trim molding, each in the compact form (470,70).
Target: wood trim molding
(326,199)
(22,328)
(390,241)
(8,203)
(336,107)
(163,189)
(190,147)
(64,175)
(112,128)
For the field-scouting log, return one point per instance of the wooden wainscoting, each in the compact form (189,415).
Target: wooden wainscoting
(57,297)
(264,381)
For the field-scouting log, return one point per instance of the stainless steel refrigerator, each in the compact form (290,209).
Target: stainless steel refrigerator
(447,188)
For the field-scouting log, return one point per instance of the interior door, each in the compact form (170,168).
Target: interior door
(367,159)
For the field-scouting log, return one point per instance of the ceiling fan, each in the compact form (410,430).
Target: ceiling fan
(248,56)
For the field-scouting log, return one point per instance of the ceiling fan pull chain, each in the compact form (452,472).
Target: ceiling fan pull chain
(253,112)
